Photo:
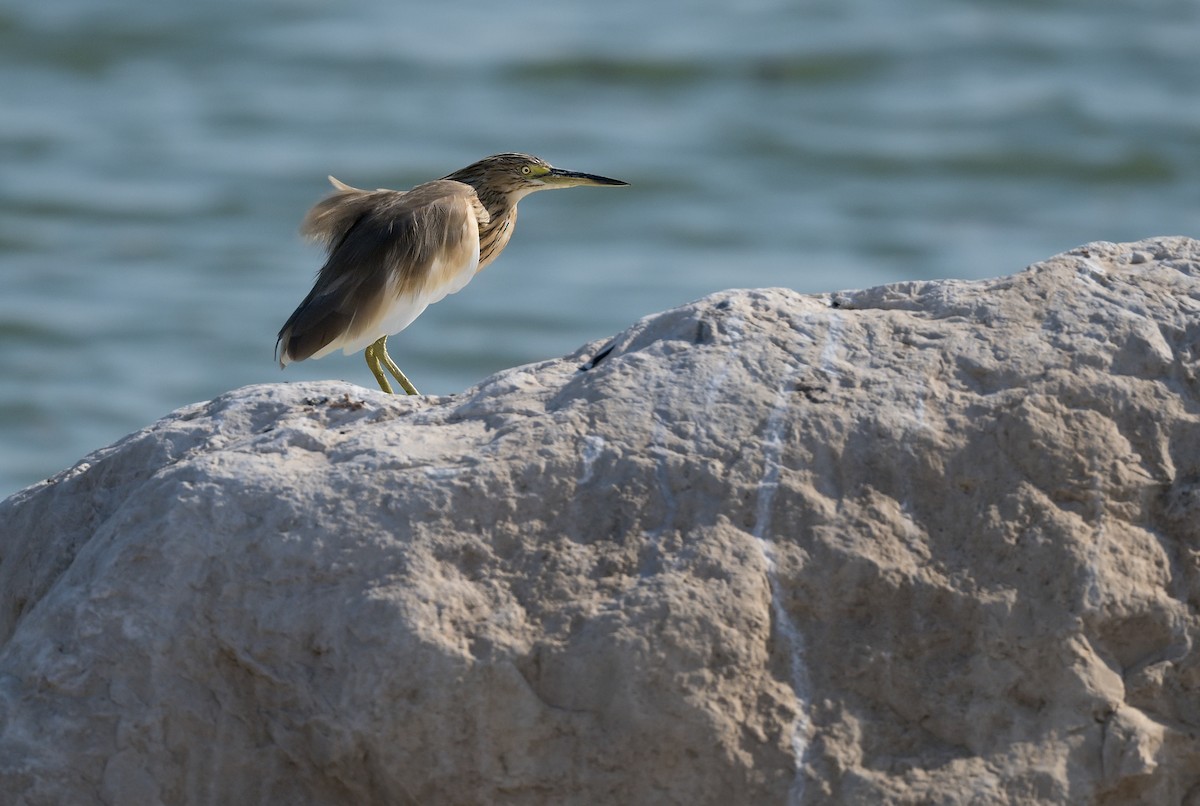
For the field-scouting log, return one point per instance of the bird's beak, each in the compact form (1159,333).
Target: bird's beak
(565,179)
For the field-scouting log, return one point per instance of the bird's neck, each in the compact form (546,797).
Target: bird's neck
(494,235)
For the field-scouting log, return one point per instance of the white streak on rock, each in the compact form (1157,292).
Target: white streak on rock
(789,632)
(829,352)
(593,446)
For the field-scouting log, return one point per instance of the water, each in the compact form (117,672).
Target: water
(155,160)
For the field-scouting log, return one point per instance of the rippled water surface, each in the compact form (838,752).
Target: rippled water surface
(157,158)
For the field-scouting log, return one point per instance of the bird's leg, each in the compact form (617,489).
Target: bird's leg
(382,353)
(372,356)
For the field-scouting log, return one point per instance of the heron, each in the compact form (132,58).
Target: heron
(392,254)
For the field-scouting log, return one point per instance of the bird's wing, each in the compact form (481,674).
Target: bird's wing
(331,218)
(389,253)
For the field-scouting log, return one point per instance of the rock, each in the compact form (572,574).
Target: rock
(935,542)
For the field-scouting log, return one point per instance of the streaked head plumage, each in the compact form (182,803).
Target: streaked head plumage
(516,174)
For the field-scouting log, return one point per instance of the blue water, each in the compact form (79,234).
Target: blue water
(156,159)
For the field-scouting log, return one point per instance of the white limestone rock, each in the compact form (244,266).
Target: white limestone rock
(930,542)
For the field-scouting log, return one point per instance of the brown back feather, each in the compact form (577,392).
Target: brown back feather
(331,218)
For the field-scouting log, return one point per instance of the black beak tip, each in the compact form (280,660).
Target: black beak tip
(604,180)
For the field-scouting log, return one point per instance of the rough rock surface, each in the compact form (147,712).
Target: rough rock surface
(936,542)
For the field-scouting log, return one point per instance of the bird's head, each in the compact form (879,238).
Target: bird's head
(517,175)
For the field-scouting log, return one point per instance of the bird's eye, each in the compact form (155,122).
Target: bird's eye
(525,169)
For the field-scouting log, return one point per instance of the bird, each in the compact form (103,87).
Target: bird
(391,254)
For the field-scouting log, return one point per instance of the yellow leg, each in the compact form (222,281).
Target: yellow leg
(378,358)
(372,356)
(382,353)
